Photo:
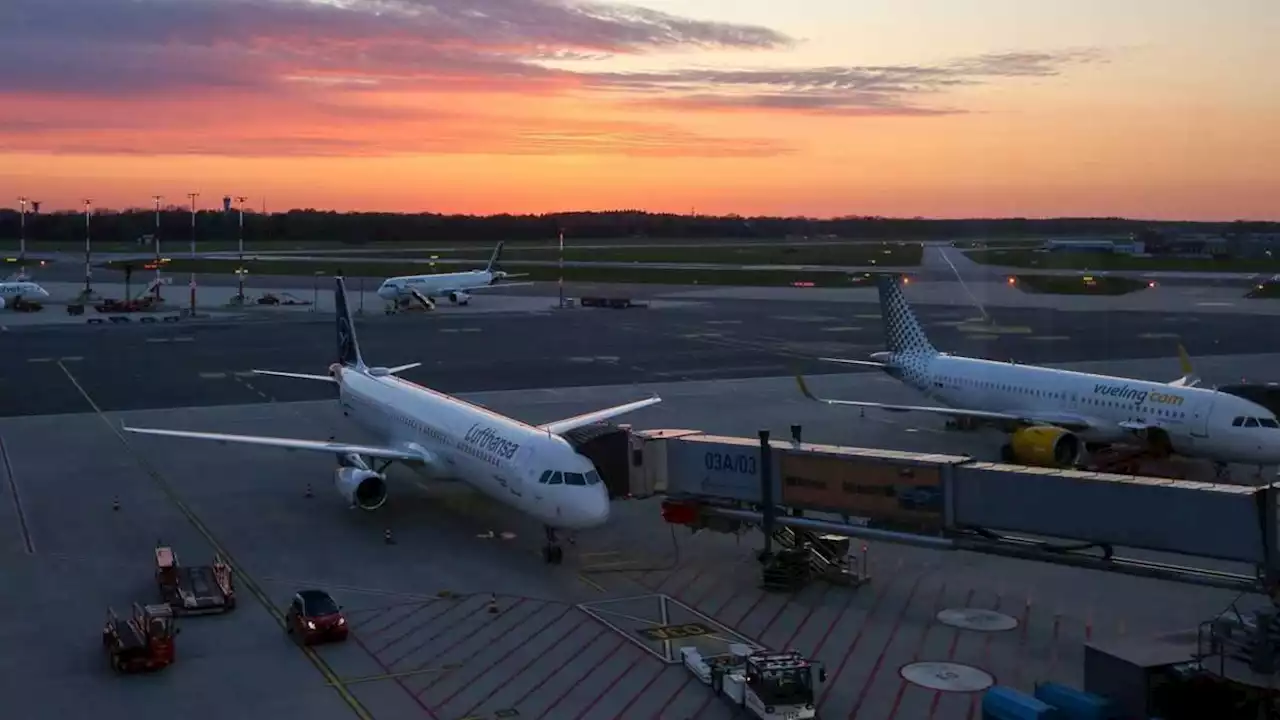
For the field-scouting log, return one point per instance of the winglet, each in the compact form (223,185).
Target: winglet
(804,388)
(1189,377)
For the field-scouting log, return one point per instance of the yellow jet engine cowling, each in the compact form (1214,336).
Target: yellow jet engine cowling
(1045,446)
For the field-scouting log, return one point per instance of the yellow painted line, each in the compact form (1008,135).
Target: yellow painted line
(245,580)
(591,582)
(393,676)
(605,553)
(610,566)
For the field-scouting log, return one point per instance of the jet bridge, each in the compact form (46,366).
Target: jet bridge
(1084,519)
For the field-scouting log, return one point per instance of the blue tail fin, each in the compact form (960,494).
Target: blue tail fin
(902,332)
(348,346)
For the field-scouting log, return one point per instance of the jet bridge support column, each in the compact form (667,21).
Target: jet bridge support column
(768,508)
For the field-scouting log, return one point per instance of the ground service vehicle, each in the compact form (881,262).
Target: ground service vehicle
(769,685)
(198,590)
(143,643)
(314,617)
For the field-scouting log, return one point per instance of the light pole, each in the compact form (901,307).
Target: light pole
(562,269)
(88,272)
(155,238)
(192,196)
(22,236)
(240,268)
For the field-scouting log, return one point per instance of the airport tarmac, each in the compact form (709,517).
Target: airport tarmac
(414,653)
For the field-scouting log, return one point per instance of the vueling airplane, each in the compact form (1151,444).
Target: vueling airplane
(531,468)
(457,286)
(1051,414)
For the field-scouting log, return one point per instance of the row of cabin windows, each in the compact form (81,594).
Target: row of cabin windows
(1254,422)
(559,478)
(1002,387)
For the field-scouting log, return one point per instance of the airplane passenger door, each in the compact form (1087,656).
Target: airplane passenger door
(1200,418)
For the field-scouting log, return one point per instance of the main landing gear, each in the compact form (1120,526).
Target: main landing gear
(552,553)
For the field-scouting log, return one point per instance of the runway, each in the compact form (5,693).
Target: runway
(173,365)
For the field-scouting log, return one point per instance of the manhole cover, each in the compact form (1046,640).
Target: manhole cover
(975,619)
(947,676)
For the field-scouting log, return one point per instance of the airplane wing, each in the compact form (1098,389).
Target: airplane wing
(336,448)
(1064,421)
(563,426)
(446,291)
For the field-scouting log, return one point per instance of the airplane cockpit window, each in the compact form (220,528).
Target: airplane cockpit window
(1251,422)
(593,478)
(1238,422)
(574,479)
(546,475)
(556,479)
(1268,422)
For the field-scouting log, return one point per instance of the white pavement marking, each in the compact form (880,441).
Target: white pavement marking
(212,375)
(39,359)
(72,358)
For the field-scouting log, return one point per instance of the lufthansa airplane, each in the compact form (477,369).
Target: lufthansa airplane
(457,286)
(531,468)
(1051,414)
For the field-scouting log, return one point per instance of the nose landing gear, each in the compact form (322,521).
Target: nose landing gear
(552,553)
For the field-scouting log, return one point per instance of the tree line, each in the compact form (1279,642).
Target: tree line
(357,228)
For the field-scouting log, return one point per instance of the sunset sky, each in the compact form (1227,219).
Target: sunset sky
(939,108)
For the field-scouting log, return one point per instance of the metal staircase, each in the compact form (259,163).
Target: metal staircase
(828,556)
(1252,639)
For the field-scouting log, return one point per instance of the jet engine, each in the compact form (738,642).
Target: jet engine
(1044,446)
(459,298)
(1,302)
(364,489)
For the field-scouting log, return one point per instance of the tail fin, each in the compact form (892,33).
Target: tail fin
(493,259)
(348,346)
(902,332)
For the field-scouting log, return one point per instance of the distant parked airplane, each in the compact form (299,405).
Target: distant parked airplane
(400,291)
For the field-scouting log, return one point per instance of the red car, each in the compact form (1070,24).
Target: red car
(313,617)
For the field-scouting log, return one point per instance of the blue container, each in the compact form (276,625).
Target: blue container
(1004,703)
(1076,704)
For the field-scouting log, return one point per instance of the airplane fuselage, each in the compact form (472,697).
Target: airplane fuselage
(434,285)
(1199,422)
(501,457)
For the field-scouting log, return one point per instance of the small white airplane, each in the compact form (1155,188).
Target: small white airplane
(1051,414)
(533,469)
(400,291)
(17,287)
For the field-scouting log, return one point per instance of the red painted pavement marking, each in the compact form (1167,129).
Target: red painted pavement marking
(510,652)
(897,623)
(951,655)
(915,657)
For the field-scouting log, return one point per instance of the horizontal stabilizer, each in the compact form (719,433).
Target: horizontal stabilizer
(296,376)
(402,368)
(863,363)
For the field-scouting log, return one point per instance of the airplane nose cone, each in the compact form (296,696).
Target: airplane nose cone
(594,511)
